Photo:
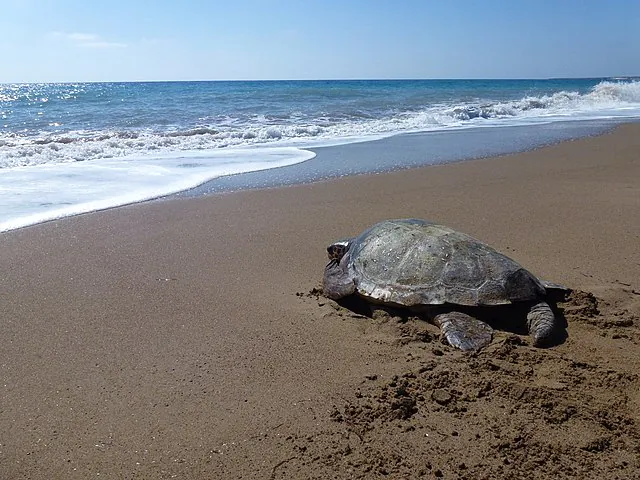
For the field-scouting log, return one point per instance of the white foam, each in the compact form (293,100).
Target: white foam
(605,100)
(34,194)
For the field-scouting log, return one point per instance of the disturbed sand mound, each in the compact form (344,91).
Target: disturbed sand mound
(508,411)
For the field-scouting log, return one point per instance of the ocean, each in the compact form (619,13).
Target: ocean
(73,148)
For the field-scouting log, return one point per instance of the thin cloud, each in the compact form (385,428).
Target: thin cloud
(88,40)
(82,37)
(102,45)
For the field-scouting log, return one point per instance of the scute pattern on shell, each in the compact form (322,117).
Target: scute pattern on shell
(413,262)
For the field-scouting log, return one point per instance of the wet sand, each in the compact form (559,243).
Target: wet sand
(184,338)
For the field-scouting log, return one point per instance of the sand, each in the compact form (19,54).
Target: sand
(184,338)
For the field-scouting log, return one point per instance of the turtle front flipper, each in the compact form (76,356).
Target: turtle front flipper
(542,324)
(463,331)
(338,282)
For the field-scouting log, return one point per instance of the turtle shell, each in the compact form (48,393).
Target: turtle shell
(413,262)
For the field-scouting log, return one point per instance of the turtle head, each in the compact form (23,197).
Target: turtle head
(338,281)
(337,249)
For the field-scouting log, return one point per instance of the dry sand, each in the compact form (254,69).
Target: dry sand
(182,338)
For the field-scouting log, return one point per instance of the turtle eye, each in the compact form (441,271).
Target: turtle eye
(337,251)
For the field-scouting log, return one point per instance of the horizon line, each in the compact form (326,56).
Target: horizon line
(354,79)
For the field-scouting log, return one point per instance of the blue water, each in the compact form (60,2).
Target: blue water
(72,148)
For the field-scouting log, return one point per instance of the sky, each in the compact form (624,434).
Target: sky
(153,40)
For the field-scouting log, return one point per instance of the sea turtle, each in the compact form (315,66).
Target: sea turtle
(441,272)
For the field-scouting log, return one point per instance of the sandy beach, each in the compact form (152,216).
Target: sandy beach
(184,338)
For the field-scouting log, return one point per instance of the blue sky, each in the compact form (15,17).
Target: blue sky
(118,40)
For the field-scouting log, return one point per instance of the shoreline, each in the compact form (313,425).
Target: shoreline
(388,154)
(180,338)
(407,151)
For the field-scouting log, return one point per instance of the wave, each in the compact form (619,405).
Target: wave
(36,195)
(606,99)
(606,95)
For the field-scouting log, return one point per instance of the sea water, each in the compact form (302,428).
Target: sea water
(72,148)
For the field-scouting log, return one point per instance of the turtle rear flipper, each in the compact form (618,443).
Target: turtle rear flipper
(542,324)
(463,331)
